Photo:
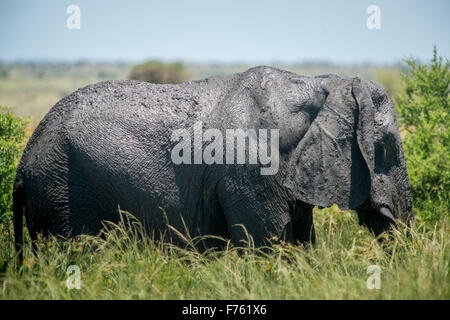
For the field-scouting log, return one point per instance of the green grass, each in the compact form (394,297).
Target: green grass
(120,266)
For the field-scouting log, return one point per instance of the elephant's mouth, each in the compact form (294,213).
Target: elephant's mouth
(377,219)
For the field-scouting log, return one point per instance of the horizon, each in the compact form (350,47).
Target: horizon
(304,63)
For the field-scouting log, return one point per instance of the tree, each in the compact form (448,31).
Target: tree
(159,72)
(424,116)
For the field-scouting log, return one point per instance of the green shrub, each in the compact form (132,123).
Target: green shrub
(424,116)
(159,72)
(11,146)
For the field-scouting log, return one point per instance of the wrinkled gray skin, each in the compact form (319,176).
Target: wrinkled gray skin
(108,145)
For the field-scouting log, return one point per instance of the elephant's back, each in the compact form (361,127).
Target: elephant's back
(124,128)
(168,105)
(132,98)
(119,102)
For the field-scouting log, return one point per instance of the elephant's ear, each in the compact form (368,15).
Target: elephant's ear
(333,161)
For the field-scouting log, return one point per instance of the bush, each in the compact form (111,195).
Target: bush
(159,72)
(11,147)
(424,116)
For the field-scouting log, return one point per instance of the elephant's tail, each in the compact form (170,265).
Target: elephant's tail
(18,204)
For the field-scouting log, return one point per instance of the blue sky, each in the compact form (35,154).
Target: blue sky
(224,31)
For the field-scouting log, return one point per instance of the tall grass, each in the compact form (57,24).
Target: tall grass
(124,265)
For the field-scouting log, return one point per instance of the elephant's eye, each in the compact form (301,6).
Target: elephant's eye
(295,108)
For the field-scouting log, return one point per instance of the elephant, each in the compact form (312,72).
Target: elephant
(111,144)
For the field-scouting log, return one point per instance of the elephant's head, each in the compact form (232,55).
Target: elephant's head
(340,143)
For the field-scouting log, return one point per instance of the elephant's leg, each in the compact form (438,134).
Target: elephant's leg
(302,224)
(254,209)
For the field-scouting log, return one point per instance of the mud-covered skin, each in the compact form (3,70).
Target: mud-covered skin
(108,145)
